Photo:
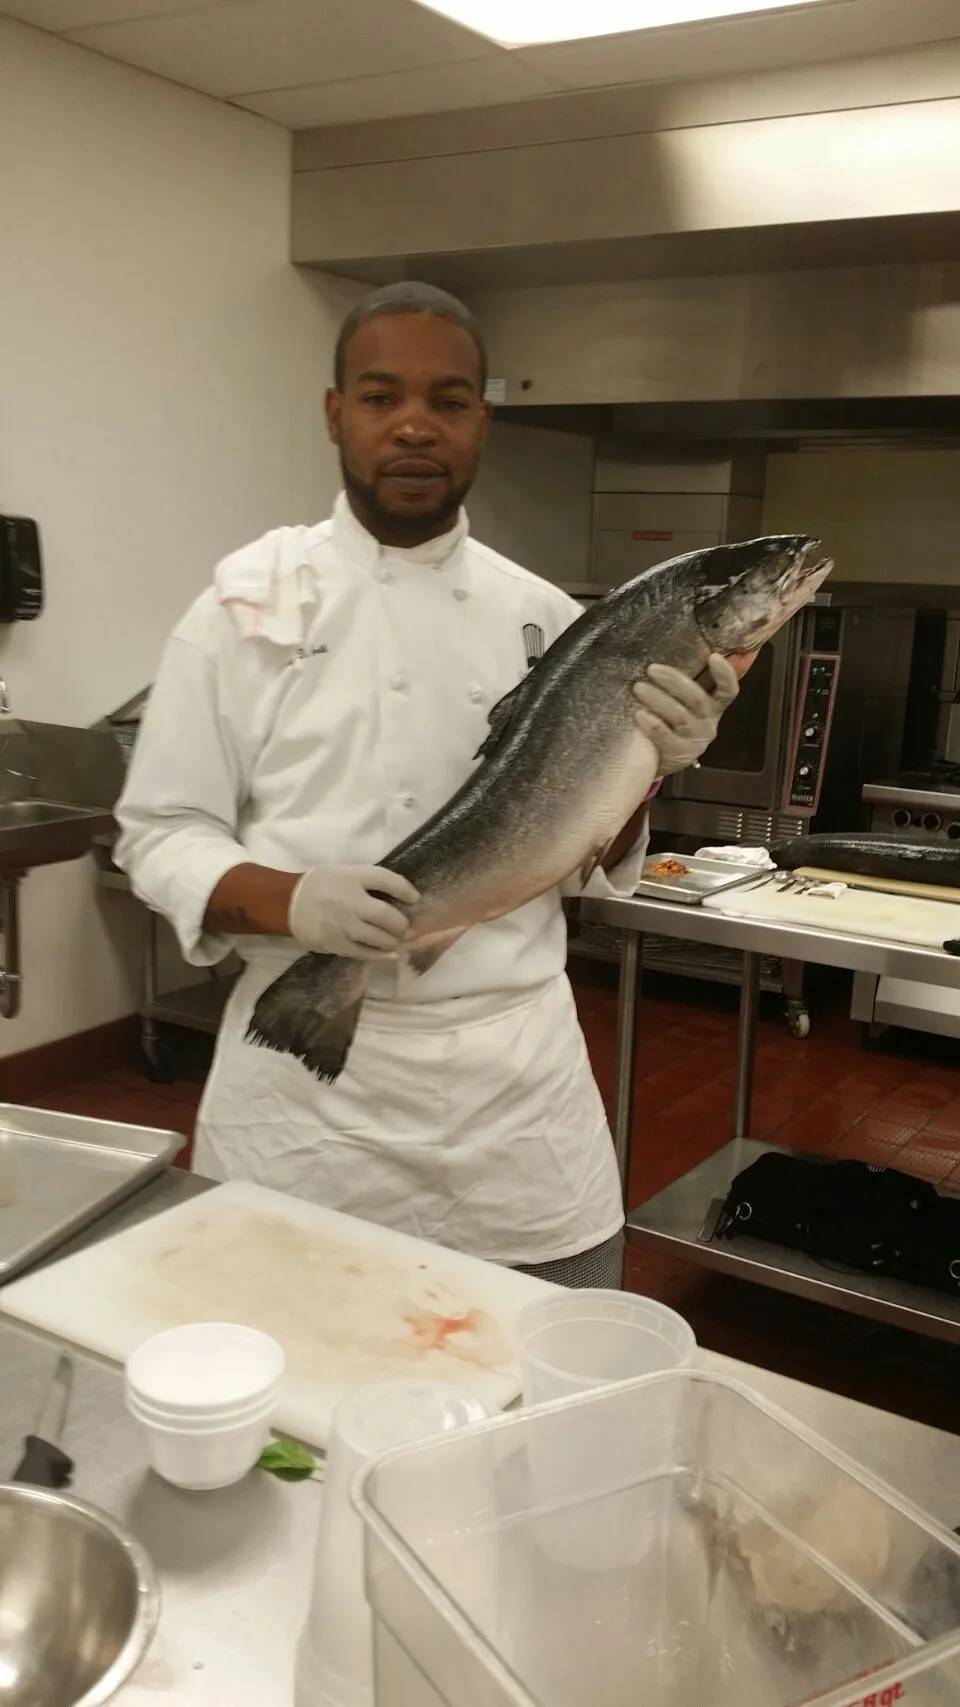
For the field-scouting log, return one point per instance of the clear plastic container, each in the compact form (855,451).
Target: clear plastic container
(586,1337)
(669,1542)
(334,1666)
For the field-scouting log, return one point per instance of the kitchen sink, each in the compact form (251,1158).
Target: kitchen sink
(46,832)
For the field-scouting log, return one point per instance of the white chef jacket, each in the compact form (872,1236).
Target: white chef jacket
(316,705)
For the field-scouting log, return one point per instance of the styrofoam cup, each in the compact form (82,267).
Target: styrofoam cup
(252,1412)
(581,1339)
(207,1459)
(204,1369)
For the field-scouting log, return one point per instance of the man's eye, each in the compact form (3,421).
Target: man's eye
(453,405)
(378,399)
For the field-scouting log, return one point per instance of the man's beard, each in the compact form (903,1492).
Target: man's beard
(426,524)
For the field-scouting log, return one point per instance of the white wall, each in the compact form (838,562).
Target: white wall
(885,514)
(533,500)
(163,369)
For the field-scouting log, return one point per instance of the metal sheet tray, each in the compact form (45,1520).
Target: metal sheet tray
(58,1172)
(703,877)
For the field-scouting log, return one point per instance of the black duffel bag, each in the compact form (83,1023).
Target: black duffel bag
(871,1218)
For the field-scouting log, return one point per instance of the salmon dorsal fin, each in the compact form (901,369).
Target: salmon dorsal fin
(501,716)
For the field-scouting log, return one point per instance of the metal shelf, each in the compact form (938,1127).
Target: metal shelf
(681,1220)
(199,1007)
(678,959)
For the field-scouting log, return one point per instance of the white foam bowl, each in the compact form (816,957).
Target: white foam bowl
(204,1370)
(201,1460)
(200,1423)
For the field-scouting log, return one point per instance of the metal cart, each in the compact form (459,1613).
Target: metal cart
(196,1007)
(681,1219)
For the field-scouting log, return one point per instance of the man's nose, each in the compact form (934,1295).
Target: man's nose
(415,426)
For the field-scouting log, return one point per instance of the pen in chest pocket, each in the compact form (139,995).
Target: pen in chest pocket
(533,643)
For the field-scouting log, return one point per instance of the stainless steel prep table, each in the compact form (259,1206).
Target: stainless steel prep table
(235,1566)
(681,1218)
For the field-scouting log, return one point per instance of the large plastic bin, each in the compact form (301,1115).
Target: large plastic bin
(671,1542)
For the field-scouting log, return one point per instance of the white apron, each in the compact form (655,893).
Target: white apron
(488,1135)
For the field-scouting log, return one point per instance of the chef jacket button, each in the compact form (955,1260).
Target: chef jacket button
(476,694)
(459,592)
(399,684)
(407,800)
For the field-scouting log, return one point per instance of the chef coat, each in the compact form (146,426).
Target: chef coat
(316,705)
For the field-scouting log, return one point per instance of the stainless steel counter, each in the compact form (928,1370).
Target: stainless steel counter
(681,1218)
(235,1566)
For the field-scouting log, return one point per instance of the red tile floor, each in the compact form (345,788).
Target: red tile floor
(826,1093)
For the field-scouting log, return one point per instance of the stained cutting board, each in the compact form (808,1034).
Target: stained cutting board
(857,912)
(349,1302)
(886,885)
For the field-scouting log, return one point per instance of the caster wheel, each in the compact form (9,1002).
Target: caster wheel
(798,1019)
(159,1062)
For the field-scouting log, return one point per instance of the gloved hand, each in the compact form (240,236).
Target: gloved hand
(334,910)
(679,715)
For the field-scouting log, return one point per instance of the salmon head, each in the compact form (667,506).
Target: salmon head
(744,593)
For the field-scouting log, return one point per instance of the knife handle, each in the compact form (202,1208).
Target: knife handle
(43,1465)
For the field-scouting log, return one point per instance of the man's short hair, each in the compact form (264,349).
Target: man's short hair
(408,297)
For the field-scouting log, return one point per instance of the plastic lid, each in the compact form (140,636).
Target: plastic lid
(395,1413)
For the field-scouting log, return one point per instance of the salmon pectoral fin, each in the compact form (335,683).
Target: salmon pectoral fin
(594,859)
(420,960)
(500,718)
(311,1012)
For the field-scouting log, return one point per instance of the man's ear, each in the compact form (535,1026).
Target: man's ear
(333,405)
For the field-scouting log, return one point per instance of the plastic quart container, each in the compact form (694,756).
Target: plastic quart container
(673,1541)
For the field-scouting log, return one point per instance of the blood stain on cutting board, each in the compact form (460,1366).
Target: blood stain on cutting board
(341,1313)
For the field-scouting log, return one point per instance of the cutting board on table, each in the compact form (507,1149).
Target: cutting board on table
(857,912)
(349,1302)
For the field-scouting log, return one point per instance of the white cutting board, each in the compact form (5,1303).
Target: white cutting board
(349,1302)
(857,912)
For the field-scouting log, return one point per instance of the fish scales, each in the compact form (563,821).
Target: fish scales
(563,769)
(874,853)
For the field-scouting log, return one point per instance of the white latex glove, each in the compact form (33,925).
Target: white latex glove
(680,716)
(334,910)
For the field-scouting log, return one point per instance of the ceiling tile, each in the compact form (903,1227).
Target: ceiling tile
(62,15)
(440,89)
(272,44)
(835,29)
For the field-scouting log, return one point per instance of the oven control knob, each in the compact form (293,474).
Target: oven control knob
(810,733)
(803,772)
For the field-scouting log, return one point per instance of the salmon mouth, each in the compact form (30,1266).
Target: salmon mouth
(821,566)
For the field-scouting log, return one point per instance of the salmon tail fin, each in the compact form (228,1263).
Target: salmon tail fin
(311,1012)
(421,959)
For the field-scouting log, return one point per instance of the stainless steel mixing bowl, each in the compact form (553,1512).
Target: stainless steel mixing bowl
(78,1601)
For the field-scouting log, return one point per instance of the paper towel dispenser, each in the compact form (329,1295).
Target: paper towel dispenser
(21,570)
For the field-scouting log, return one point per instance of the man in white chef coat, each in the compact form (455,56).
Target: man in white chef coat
(322,699)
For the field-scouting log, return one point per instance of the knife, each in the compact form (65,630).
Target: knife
(43,1464)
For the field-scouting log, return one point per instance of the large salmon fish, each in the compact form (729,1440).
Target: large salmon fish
(564,767)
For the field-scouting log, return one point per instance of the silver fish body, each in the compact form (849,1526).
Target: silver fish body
(563,769)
